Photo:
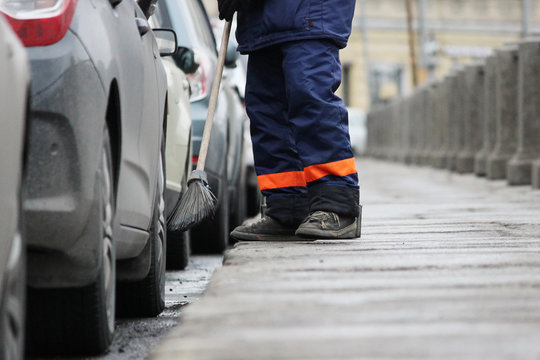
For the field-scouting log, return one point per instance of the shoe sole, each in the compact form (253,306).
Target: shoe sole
(241,236)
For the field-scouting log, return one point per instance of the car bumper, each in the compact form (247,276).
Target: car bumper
(65,136)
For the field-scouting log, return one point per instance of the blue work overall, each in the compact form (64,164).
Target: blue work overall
(299,127)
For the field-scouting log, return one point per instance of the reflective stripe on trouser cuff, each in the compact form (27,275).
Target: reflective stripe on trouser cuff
(281,180)
(311,173)
(336,168)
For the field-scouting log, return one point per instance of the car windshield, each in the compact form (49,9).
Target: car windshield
(189,21)
(173,14)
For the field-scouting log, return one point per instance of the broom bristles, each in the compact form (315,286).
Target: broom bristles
(196,204)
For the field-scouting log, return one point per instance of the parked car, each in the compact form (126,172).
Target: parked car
(178,153)
(357,130)
(95,205)
(235,79)
(225,163)
(13,105)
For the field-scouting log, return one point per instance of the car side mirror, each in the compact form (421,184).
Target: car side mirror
(231,56)
(185,60)
(166,41)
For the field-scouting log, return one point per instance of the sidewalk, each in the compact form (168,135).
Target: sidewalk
(448,267)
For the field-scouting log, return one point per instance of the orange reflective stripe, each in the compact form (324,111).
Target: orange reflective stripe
(337,168)
(280,180)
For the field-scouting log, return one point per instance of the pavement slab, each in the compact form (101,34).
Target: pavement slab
(448,267)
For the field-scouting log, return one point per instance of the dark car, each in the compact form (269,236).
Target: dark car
(95,173)
(225,165)
(235,83)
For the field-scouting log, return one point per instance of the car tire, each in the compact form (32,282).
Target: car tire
(13,301)
(178,249)
(146,297)
(239,204)
(212,235)
(254,195)
(178,243)
(80,320)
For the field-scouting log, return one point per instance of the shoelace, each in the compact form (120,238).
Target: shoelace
(323,216)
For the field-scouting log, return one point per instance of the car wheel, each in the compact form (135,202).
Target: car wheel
(146,297)
(80,320)
(254,195)
(12,303)
(212,235)
(178,247)
(239,204)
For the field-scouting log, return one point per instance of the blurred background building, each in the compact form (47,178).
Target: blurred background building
(377,64)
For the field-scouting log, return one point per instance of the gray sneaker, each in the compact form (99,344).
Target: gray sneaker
(329,225)
(264,229)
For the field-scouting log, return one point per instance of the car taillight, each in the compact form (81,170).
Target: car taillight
(198,81)
(194,160)
(39,22)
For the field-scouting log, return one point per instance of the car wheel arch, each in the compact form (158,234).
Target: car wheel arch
(113,119)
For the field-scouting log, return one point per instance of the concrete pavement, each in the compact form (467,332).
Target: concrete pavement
(448,267)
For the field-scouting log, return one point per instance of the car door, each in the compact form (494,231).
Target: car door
(145,98)
(125,53)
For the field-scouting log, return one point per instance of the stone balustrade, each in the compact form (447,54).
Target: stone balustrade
(483,118)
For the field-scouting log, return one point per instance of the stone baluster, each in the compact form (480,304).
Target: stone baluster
(519,170)
(443,130)
(429,123)
(472,124)
(456,120)
(405,129)
(489,123)
(507,114)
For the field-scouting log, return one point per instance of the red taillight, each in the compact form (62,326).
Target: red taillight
(194,159)
(198,81)
(39,22)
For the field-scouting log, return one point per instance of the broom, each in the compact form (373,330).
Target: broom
(199,202)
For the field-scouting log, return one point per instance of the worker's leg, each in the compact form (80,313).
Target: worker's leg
(279,171)
(320,127)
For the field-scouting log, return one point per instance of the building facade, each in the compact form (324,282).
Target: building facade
(447,34)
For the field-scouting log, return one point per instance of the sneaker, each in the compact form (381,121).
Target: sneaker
(329,225)
(265,229)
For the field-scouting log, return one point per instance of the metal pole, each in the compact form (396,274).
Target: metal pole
(412,52)
(525,17)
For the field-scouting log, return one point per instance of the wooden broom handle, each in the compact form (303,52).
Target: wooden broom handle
(214,96)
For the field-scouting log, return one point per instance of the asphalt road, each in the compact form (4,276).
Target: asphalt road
(135,338)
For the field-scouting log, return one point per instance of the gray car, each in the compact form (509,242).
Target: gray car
(13,103)
(95,208)
(225,165)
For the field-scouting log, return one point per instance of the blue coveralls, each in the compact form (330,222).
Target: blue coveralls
(299,127)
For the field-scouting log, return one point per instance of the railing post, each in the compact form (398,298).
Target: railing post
(528,130)
(472,119)
(489,117)
(429,123)
(507,114)
(444,126)
(405,128)
(457,111)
